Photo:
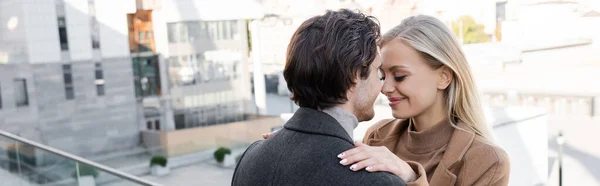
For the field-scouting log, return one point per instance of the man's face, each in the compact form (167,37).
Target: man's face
(366,92)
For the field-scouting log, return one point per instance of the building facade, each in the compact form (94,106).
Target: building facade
(202,50)
(66,74)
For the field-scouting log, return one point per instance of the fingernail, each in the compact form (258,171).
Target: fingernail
(341,155)
(353,167)
(343,161)
(369,168)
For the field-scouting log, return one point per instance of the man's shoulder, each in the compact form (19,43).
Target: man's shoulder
(297,158)
(382,178)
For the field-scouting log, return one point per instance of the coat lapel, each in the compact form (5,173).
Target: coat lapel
(447,170)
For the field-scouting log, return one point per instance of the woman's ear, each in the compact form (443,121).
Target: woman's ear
(445,77)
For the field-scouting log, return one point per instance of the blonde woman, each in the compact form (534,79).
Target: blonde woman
(439,135)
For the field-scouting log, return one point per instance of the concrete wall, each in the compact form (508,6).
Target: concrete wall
(180,142)
(89,124)
(19,120)
(78,29)
(112,17)
(13,45)
(42,31)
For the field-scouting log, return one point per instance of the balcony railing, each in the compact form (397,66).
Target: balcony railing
(25,162)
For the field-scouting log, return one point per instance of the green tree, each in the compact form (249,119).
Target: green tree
(471,31)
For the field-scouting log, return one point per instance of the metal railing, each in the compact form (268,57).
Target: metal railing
(78,159)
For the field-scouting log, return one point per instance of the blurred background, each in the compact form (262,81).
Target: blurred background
(171,92)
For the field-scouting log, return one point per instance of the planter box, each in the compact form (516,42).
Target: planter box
(86,181)
(158,170)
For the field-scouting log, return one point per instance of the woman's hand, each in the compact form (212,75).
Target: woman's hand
(267,135)
(376,159)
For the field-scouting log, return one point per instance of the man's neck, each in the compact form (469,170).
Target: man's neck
(347,119)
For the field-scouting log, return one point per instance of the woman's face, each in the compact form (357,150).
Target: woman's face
(410,84)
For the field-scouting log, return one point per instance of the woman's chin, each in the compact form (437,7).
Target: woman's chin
(400,115)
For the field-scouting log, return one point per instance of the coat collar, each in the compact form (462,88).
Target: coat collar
(312,121)
(388,135)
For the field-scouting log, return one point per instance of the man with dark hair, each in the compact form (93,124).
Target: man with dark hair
(332,72)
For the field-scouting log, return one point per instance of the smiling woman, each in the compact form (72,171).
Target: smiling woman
(438,136)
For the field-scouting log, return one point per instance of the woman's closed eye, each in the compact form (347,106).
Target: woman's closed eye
(399,78)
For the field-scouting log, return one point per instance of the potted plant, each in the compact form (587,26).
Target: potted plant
(223,157)
(158,166)
(87,175)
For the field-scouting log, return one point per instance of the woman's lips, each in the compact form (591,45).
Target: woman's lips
(395,101)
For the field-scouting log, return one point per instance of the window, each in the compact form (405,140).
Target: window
(149,35)
(0,99)
(196,30)
(172,32)
(234,30)
(146,76)
(157,124)
(99,80)
(141,36)
(179,121)
(203,32)
(149,125)
(221,31)
(94,25)
(21,92)
(62,34)
(226,30)
(212,29)
(183,33)
(68,81)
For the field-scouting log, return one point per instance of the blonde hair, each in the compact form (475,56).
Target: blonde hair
(438,46)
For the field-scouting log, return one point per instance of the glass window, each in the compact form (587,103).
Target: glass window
(62,34)
(212,30)
(149,125)
(100,89)
(227,30)
(68,81)
(141,36)
(99,79)
(21,92)
(157,124)
(203,29)
(172,32)
(0,99)
(70,93)
(220,30)
(194,31)
(95,32)
(183,33)
(234,30)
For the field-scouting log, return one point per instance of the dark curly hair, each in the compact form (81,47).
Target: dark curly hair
(325,55)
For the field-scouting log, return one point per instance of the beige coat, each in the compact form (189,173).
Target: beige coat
(469,159)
